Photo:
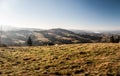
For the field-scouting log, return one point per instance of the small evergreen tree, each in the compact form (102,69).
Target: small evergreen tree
(112,39)
(29,41)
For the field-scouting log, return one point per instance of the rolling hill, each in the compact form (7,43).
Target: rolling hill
(52,36)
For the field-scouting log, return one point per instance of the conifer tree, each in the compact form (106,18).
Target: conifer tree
(29,41)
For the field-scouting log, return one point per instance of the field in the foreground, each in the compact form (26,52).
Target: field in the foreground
(100,59)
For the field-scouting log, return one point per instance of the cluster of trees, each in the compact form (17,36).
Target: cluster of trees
(115,39)
(111,39)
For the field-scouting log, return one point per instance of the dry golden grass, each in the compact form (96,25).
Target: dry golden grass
(95,59)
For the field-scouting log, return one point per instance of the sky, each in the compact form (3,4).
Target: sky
(68,14)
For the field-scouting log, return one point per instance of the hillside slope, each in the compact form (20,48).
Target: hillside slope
(53,36)
(100,59)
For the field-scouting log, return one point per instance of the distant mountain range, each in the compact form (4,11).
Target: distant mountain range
(54,36)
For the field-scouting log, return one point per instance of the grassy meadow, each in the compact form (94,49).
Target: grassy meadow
(90,59)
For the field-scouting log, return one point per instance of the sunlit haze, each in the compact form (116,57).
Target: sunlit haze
(68,14)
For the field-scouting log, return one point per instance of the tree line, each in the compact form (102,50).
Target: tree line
(111,39)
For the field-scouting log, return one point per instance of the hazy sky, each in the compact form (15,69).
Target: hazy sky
(70,14)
